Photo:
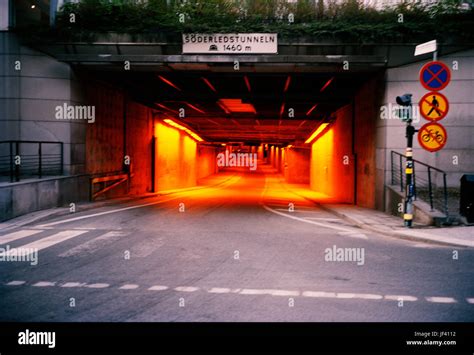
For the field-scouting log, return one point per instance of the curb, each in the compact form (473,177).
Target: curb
(391,233)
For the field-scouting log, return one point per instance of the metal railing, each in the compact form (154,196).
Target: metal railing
(429,182)
(27,159)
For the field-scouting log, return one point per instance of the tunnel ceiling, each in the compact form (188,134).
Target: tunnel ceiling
(243,107)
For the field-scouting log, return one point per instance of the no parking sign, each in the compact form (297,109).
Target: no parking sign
(435,76)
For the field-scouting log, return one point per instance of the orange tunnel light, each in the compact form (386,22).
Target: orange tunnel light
(183,128)
(321,128)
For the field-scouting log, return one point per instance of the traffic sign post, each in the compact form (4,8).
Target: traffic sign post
(432,137)
(434,106)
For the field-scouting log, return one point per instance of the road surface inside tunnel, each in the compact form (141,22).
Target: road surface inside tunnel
(246,247)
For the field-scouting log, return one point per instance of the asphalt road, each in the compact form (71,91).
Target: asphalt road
(232,252)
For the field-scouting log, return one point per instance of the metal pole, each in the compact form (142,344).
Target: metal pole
(445,196)
(17,166)
(409,190)
(401,172)
(11,162)
(430,188)
(40,153)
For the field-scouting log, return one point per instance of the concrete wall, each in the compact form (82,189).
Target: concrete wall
(206,161)
(25,197)
(366,107)
(459,122)
(332,162)
(29,97)
(122,128)
(297,165)
(175,158)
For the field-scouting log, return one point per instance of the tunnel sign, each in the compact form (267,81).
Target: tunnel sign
(435,76)
(432,137)
(228,43)
(434,106)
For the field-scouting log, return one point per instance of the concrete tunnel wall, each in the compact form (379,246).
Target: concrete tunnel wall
(343,158)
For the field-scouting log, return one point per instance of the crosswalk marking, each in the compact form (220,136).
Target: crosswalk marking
(49,241)
(7,238)
(94,244)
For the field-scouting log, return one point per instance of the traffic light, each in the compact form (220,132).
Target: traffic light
(405,112)
(404,100)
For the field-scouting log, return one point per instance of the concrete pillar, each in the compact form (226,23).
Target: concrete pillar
(5,8)
(298,165)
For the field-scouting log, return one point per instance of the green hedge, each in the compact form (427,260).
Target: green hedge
(346,22)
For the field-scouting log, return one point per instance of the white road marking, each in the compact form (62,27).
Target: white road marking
(441,299)
(324,219)
(319,294)
(7,238)
(49,241)
(329,226)
(401,297)
(73,284)
(271,292)
(219,290)
(223,185)
(98,285)
(16,283)
(44,284)
(93,245)
(186,289)
(251,291)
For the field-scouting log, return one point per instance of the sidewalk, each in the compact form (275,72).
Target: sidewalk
(383,223)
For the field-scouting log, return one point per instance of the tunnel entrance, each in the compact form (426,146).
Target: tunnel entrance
(314,127)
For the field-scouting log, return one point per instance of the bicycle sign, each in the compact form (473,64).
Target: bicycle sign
(432,137)
(434,106)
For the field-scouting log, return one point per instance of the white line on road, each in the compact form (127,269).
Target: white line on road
(158,288)
(353,235)
(98,285)
(44,284)
(47,242)
(401,298)
(186,289)
(252,291)
(225,184)
(93,245)
(7,238)
(16,283)
(307,221)
(441,299)
(73,284)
